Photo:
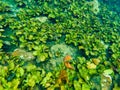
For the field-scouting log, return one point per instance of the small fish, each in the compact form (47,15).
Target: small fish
(67,63)
(67,58)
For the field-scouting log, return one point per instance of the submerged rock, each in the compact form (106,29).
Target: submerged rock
(63,50)
(95,6)
(42,19)
(58,54)
(106,79)
(22,54)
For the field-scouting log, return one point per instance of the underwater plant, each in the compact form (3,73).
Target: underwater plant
(59,45)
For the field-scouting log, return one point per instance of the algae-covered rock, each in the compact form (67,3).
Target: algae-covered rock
(106,79)
(22,54)
(95,6)
(42,19)
(58,53)
(63,49)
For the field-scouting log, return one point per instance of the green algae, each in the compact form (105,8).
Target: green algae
(46,32)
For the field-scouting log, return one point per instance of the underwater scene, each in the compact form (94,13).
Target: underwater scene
(59,44)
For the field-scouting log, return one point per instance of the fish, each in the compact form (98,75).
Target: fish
(66,59)
(68,65)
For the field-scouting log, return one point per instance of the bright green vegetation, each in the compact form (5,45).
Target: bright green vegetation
(33,32)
